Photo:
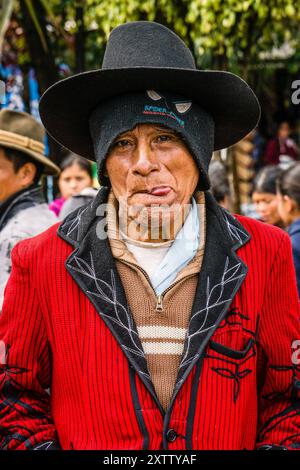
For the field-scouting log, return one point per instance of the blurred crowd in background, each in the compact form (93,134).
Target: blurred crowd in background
(271,172)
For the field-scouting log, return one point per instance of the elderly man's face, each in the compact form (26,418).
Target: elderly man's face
(151,165)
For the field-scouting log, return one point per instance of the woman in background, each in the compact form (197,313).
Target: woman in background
(76,175)
(264,195)
(282,147)
(288,193)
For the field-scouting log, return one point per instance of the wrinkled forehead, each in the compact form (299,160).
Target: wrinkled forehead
(149,129)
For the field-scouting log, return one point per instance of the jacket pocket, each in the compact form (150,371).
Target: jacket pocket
(234,340)
(231,352)
(232,360)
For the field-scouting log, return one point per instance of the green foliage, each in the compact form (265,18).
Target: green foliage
(222,33)
(229,30)
(243,28)
(107,14)
(32,12)
(6,8)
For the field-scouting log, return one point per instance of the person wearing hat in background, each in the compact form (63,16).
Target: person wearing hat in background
(177,338)
(23,209)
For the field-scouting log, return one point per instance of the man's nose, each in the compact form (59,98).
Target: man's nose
(145,160)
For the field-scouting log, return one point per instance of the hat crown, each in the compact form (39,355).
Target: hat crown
(21,131)
(146,44)
(22,124)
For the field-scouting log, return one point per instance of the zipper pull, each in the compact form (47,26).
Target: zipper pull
(159,304)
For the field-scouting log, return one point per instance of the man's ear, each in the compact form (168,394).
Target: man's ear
(27,173)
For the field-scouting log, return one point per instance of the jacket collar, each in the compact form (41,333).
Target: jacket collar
(93,268)
(19,201)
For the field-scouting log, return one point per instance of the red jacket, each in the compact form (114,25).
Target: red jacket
(66,326)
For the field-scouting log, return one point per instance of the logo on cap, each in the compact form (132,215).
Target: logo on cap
(180,106)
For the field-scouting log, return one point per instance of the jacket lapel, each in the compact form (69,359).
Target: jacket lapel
(221,276)
(93,268)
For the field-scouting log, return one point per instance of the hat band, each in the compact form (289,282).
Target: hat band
(7,137)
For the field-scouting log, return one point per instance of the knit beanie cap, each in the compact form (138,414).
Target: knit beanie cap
(124,112)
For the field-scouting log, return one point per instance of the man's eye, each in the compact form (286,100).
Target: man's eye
(122,143)
(164,138)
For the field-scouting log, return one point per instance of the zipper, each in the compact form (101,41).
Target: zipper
(159,298)
(159,304)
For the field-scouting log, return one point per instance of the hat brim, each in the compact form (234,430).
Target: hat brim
(66,106)
(50,168)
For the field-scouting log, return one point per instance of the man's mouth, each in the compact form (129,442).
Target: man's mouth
(155,191)
(160,190)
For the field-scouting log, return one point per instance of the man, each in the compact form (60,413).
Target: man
(23,209)
(160,320)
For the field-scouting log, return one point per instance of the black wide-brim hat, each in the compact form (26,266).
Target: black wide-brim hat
(142,56)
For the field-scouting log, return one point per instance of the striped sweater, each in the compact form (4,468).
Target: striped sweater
(161,321)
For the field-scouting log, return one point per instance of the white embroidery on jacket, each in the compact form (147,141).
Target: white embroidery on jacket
(123,317)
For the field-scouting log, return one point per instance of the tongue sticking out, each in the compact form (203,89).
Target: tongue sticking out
(161,191)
